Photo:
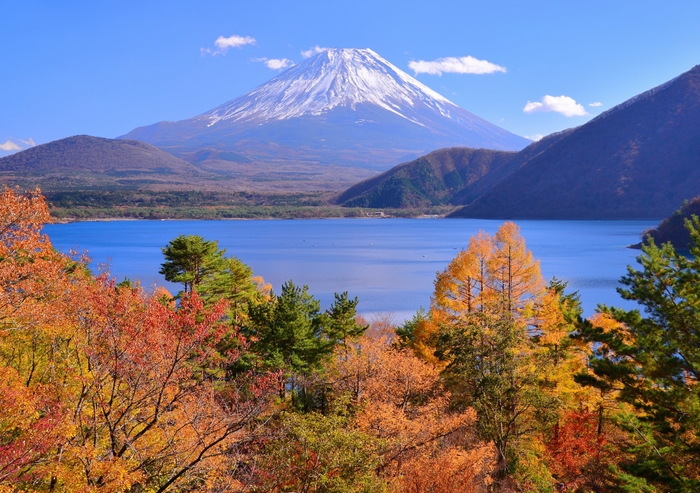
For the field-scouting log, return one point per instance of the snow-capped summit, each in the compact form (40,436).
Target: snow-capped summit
(335,77)
(342,106)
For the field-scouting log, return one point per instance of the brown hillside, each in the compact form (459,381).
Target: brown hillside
(94,154)
(93,163)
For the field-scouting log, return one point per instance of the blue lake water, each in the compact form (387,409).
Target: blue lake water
(389,264)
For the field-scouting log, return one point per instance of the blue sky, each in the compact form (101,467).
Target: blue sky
(105,67)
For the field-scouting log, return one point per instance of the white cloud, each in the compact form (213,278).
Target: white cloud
(559,104)
(14,145)
(596,104)
(534,137)
(234,41)
(275,63)
(224,44)
(9,146)
(313,51)
(454,65)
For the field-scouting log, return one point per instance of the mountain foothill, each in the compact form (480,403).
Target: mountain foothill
(347,122)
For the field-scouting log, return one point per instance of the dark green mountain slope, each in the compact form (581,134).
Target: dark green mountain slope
(433,179)
(455,175)
(637,160)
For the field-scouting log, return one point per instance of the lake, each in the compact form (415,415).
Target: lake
(389,264)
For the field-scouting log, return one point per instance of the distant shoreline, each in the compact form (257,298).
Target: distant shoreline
(68,215)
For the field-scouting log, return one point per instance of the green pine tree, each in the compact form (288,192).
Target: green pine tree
(232,281)
(190,260)
(654,362)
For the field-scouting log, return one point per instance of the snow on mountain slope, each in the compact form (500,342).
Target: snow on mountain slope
(337,77)
(342,106)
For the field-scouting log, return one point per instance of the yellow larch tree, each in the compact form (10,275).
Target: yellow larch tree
(402,403)
(514,274)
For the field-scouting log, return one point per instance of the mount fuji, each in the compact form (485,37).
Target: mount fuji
(346,107)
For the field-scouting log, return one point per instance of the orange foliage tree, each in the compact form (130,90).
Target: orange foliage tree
(579,453)
(494,274)
(105,388)
(401,402)
(33,282)
(31,272)
(156,408)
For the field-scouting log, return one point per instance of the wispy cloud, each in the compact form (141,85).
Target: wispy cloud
(596,104)
(534,137)
(14,145)
(313,51)
(275,63)
(224,44)
(559,104)
(454,65)
(9,146)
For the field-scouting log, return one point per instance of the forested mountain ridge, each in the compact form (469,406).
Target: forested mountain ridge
(434,179)
(456,175)
(638,160)
(87,163)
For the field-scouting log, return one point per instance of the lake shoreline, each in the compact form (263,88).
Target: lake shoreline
(66,215)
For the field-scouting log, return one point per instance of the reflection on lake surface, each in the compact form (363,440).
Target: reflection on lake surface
(389,264)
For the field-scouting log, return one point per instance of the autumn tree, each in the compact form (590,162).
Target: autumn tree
(580,453)
(32,426)
(492,369)
(140,395)
(103,387)
(401,402)
(504,341)
(30,271)
(148,415)
(35,287)
(465,286)
(578,428)
(515,276)
(494,274)
(388,426)
(320,453)
(481,311)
